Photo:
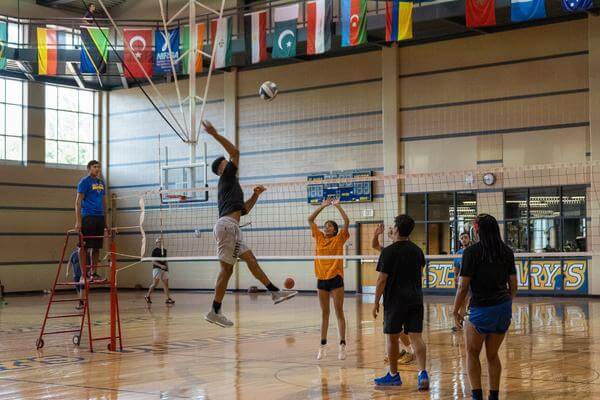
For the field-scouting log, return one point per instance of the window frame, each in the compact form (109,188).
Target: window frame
(453,220)
(4,135)
(60,109)
(561,217)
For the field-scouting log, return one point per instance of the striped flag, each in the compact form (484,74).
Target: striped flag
(94,50)
(221,37)
(525,10)
(398,20)
(256,36)
(201,29)
(354,22)
(3,40)
(319,15)
(47,51)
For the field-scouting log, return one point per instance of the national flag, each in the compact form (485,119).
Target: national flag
(47,47)
(398,20)
(354,22)
(525,10)
(94,50)
(255,32)
(480,13)
(185,63)
(319,15)
(3,41)
(139,46)
(577,5)
(162,57)
(285,38)
(221,37)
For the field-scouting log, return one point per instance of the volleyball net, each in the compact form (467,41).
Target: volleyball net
(547,209)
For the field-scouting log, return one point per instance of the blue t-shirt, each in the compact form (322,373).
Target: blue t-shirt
(458,261)
(93,189)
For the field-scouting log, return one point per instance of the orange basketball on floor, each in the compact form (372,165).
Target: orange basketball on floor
(289,283)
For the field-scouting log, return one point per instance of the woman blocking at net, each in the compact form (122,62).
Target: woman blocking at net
(406,356)
(330,273)
(488,272)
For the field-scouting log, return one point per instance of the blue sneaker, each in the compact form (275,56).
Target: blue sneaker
(389,380)
(423,379)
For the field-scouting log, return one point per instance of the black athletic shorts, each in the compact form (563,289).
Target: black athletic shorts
(93,225)
(330,284)
(407,318)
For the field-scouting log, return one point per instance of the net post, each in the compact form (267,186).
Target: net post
(113,293)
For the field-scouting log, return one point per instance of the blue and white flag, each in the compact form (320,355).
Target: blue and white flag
(525,10)
(162,62)
(577,5)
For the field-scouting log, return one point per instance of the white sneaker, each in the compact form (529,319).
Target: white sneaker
(218,319)
(322,352)
(342,352)
(282,295)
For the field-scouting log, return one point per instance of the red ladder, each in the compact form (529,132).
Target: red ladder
(115,321)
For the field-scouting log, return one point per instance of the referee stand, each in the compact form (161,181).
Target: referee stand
(85,313)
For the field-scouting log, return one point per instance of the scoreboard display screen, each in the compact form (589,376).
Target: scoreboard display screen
(352,191)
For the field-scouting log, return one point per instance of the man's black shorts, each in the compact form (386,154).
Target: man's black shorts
(407,318)
(93,225)
(330,284)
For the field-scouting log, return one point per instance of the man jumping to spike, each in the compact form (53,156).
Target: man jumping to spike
(230,244)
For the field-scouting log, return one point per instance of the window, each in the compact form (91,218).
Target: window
(70,125)
(16,34)
(440,218)
(545,219)
(11,120)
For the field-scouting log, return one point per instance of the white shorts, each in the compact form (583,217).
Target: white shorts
(230,243)
(158,273)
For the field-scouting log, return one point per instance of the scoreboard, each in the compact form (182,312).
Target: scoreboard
(352,191)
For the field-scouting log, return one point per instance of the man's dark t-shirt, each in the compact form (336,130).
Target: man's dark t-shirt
(162,264)
(489,280)
(230,194)
(403,262)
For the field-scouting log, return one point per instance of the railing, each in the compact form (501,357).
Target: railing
(71,25)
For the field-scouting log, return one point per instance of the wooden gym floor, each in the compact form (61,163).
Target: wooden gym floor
(552,352)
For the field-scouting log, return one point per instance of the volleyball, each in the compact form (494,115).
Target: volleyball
(289,283)
(267,91)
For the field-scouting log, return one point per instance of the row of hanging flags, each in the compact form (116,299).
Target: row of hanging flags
(144,61)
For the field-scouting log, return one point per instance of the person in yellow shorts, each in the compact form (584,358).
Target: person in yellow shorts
(330,273)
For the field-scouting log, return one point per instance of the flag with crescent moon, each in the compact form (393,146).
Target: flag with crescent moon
(354,22)
(139,48)
(285,38)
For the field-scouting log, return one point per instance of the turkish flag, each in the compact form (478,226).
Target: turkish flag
(480,13)
(138,45)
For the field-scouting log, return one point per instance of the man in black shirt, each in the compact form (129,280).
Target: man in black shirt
(160,271)
(230,244)
(400,279)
